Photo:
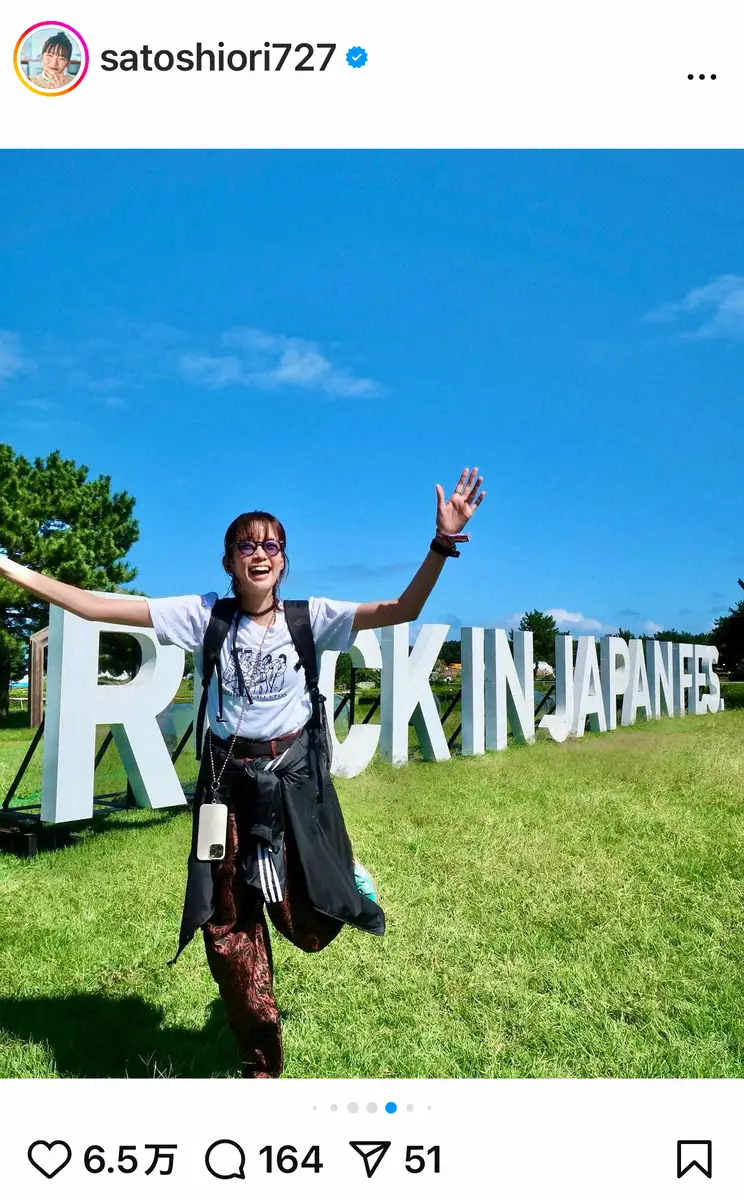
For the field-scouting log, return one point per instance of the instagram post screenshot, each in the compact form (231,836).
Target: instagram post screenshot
(371,600)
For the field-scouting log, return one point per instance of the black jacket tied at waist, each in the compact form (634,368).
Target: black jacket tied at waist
(263,796)
(267,795)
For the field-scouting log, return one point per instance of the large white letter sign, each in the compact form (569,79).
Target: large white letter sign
(357,750)
(683,681)
(615,666)
(510,688)
(473,691)
(660,668)
(406,693)
(587,689)
(76,703)
(709,701)
(497,694)
(637,694)
(558,723)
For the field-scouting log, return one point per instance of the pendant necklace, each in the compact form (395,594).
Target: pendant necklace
(246,701)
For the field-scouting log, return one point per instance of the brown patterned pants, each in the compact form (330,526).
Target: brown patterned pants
(239,950)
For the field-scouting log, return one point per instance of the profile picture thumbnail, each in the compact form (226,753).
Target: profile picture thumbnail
(51,58)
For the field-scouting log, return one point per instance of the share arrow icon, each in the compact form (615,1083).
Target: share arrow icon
(372,1154)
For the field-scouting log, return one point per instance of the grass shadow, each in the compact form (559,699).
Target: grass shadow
(16,719)
(92,1036)
(67,837)
(116,819)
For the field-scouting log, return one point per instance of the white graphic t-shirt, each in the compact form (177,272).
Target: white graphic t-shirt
(281,702)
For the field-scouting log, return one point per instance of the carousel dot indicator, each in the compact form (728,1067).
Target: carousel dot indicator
(334,1108)
(353,1107)
(372,1107)
(409,1108)
(391,1107)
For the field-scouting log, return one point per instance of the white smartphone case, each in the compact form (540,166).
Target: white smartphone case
(211,832)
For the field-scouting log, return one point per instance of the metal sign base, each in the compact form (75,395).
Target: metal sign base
(22,831)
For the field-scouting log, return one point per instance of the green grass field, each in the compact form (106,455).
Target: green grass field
(570,910)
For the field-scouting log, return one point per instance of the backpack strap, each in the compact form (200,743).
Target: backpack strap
(297,614)
(220,620)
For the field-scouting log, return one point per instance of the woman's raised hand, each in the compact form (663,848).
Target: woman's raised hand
(454,514)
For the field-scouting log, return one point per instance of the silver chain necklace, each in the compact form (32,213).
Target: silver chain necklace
(249,684)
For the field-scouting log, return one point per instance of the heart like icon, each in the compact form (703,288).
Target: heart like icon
(49,1152)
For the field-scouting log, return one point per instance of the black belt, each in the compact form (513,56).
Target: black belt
(248,748)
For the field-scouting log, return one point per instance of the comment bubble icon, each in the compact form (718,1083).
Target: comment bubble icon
(225,1159)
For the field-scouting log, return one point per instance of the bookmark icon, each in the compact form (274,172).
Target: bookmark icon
(697,1154)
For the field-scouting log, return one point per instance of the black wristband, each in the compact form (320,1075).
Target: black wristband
(446,551)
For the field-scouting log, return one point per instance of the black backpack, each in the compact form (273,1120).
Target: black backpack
(297,613)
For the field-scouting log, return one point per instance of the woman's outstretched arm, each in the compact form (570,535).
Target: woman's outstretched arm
(452,517)
(134,610)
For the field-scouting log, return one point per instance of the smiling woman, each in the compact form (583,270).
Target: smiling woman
(268,829)
(58,62)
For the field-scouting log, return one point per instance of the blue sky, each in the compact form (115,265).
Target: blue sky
(328,335)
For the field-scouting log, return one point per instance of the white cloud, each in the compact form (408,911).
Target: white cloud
(510,622)
(11,362)
(567,622)
(213,371)
(576,622)
(110,367)
(651,628)
(271,361)
(718,309)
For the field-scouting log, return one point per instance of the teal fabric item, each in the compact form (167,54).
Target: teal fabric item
(364,881)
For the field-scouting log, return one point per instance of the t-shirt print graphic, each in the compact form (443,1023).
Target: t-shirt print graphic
(269,680)
(230,683)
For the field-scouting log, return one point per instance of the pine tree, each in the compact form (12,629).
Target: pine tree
(55,520)
(544,631)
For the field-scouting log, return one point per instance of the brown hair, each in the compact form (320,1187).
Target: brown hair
(255,524)
(58,41)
